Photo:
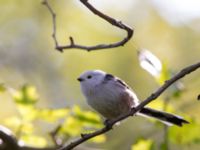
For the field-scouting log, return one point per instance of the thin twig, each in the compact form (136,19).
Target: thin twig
(152,97)
(107,18)
(57,142)
(53,14)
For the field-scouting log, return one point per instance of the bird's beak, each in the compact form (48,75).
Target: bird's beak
(80,79)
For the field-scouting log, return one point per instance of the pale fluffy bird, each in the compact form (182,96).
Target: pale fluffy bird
(112,97)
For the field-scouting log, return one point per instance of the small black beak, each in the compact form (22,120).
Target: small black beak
(80,79)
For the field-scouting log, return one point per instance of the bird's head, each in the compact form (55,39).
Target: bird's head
(89,79)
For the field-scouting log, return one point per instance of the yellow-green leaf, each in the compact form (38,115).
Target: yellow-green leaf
(13,122)
(87,117)
(143,145)
(71,126)
(27,112)
(34,140)
(159,104)
(26,95)
(27,128)
(187,134)
(99,139)
(52,115)
(164,74)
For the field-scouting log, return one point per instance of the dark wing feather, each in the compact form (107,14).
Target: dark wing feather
(111,77)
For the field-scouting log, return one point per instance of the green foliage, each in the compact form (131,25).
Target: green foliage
(164,75)
(143,145)
(186,134)
(73,121)
(52,115)
(34,140)
(160,71)
(25,57)
(82,122)
(27,95)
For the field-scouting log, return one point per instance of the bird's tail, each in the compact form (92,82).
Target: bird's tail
(167,118)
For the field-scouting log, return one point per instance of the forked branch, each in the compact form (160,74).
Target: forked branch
(107,18)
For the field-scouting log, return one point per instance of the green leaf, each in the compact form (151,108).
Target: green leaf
(99,139)
(27,112)
(82,122)
(27,128)
(164,74)
(87,117)
(52,115)
(26,95)
(187,134)
(34,140)
(71,126)
(159,104)
(13,122)
(143,145)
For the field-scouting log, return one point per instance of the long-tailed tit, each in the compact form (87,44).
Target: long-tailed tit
(112,97)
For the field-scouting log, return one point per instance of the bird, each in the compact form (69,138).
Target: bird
(112,97)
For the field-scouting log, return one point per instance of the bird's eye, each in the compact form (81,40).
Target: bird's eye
(89,77)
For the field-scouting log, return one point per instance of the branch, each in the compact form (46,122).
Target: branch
(72,44)
(152,97)
(10,142)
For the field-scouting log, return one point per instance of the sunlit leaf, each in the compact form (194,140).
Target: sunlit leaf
(187,134)
(99,139)
(159,71)
(160,105)
(34,140)
(13,122)
(27,112)
(71,126)
(143,145)
(26,95)
(52,115)
(27,128)
(164,74)
(150,62)
(87,117)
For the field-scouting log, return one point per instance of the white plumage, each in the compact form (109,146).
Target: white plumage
(112,97)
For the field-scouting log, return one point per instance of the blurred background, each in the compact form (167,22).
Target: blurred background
(169,29)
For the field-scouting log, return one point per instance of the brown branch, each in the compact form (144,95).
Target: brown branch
(57,142)
(8,139)
(109,19)
(10,142)
(152,97)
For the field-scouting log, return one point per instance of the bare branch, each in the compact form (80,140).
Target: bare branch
(152,97)
(10,142)
(58,142)
(109,19)
(8,139)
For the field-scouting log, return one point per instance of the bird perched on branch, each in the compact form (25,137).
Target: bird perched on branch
(112,97)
